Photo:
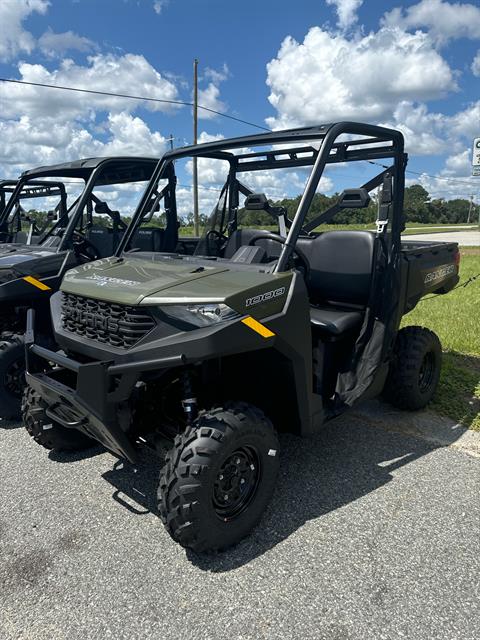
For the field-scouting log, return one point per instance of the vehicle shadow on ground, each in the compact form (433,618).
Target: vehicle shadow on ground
(347,461)
(7,423)
(66,457)
(136,486)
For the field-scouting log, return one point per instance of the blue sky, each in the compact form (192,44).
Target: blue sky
(411,65)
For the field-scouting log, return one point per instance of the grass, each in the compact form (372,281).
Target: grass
(455,317)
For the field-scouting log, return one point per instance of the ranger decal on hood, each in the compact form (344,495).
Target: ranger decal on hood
(104,281)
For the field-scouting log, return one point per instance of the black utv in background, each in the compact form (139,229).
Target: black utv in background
(16,225)
(33,261)
(256,332)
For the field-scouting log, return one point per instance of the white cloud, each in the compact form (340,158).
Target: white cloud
(448,189)
(14,39)
(159,6)
(443,20)
(346,11)
(28,143)
(476,65)
(210,98)
(44,126)
(130,135)
(458,164)
(210,95)
(129,74)
(55,44)
(329,77)
(465,123)
(217,75)
(386,77)
(425,132)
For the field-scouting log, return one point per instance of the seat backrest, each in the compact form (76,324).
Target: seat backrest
(341,266)
(20,237)
(102,239)
(148,239)
(241,238)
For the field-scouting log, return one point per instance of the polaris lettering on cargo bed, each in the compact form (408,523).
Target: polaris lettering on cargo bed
(439,274)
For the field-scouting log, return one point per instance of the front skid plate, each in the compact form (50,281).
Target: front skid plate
(55,393)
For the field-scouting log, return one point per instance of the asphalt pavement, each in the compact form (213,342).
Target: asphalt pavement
(464,238)
(372,533)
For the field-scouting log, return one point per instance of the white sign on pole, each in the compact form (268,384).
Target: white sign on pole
(476,157)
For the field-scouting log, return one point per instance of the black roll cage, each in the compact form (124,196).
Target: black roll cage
(378,143)
(87,170)
(33,189)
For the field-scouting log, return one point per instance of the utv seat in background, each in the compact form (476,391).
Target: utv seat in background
(104,240)
(149,239)
(20,237)
(341,266)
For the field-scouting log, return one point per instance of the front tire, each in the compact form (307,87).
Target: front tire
(219,477)
(12,375)
(415,369)
(46,432)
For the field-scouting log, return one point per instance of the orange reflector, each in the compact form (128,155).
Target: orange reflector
(37,283)
(258,327)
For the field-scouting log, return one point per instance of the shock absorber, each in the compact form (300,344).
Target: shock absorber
(189,401)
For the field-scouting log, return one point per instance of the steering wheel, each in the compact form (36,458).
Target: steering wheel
(276,238)
(84,248)
(214,236)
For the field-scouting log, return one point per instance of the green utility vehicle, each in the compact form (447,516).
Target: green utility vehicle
(255,333)
(79,228)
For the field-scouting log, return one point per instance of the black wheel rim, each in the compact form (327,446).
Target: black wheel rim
(426,372)
(14,378)
(236,482)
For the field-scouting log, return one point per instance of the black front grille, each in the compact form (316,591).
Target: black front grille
(115,324)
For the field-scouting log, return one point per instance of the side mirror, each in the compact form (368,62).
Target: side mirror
(102,207)
(354,199)
(256,202)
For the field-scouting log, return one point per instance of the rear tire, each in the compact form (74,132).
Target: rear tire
(219,477)
(12,374)
(415,369)
(46,432)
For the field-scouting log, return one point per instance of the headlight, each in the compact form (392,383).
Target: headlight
(200,315)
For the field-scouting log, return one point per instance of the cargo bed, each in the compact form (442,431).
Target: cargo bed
(427,267)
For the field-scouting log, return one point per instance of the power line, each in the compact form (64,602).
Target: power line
(418,173)
(428,175)
(191,104)
(132,97)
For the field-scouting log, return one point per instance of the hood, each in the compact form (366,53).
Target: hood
(24,258)
(130,280)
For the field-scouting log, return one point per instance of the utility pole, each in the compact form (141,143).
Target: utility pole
(196,229)
(171,141)
(470,208)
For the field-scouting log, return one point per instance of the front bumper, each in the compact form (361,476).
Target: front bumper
(87,396)
(90,399)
